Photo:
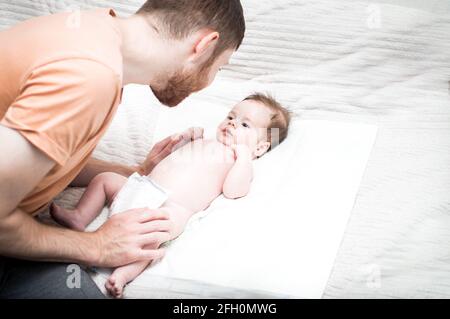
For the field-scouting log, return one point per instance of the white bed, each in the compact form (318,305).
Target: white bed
(360,61)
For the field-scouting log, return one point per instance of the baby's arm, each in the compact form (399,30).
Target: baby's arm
(239,178)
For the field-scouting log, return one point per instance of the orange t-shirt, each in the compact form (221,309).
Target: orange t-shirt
(60,84)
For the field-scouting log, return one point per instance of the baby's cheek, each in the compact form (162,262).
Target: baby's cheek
(248,138)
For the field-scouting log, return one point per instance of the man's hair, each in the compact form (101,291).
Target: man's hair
(180,18)
(278,128)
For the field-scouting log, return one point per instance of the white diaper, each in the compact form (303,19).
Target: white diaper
(138,192)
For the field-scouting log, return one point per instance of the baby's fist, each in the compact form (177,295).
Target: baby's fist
(241,151)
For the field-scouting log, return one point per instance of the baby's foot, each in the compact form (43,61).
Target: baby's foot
(66,217)
(115,284)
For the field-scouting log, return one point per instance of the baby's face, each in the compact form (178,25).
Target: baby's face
(247,124)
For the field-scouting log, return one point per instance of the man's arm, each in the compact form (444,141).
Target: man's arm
(20,235)
(239,178)
(119,241)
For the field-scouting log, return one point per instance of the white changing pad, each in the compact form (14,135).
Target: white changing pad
(280,240)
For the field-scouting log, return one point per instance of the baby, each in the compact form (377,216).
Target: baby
(195,174)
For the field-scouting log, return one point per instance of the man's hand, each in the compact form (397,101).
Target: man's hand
(121,240)
(193,133)
(168,145)
(188,136)
(159,151)
(118,242)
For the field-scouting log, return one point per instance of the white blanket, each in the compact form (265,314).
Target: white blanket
(366,60)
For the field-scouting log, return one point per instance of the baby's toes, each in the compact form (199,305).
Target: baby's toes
(118,289)
(110,287)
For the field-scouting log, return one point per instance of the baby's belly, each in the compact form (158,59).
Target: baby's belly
(193,185)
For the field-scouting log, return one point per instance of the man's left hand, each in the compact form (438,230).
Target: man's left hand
(168,145)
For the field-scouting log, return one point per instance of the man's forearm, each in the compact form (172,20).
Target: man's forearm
(21,236)
(95,166)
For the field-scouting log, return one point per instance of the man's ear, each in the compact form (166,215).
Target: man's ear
(262,148)
(205,42)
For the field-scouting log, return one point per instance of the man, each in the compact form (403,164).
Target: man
(60,85)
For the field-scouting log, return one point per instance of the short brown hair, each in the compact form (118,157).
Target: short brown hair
(280,120)
(183,17)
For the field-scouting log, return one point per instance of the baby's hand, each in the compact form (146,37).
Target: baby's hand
(242,152)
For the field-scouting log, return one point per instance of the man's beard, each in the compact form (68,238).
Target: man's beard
(181,85)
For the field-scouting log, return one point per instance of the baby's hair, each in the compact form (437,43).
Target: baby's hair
(279,122)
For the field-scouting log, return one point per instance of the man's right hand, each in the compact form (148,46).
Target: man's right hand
(121,240)
(118,242)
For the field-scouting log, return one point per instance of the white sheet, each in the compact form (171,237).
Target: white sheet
(331,60)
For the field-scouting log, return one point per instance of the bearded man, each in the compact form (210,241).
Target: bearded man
(60,86)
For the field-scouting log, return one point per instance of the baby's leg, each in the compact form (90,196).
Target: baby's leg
(102,189)
(123,275)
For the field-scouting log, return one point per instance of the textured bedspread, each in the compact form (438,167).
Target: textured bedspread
(353,60)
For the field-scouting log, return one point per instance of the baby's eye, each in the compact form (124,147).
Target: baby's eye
(245,125)
(229,118)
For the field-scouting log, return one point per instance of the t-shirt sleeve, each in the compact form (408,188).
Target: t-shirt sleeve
(62,105)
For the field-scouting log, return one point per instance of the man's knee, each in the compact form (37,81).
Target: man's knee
(79,284)
(25,279)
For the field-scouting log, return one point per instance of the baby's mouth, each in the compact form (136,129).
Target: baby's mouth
(225,132)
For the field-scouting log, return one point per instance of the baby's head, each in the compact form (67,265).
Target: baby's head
(259,122)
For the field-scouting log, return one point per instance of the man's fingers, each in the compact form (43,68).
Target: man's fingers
(171,146)
(149,215)
(162,144)
(156,226)
(151,254)
(197,132)
(133,214)
(154,239)
(142,215)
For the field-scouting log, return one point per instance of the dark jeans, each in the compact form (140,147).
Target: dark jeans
(42,280)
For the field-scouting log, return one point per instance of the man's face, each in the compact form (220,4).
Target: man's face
(183,83)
